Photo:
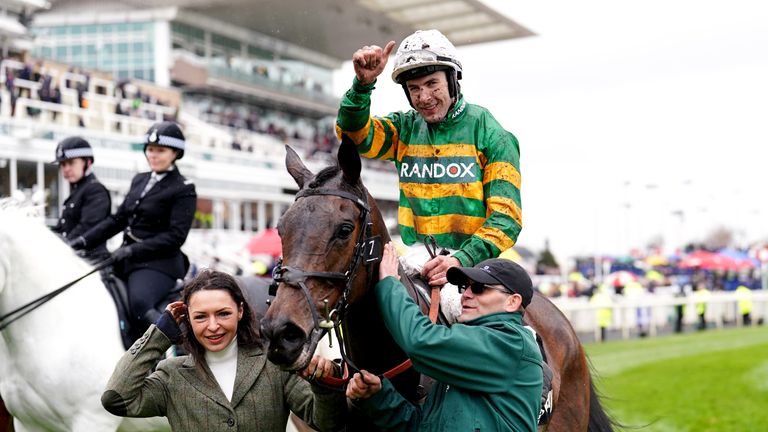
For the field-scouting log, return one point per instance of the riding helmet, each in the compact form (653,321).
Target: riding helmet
(423,53)
(166,134)
(72,148)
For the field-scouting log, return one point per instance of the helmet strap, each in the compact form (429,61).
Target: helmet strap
(87,167)
(408,95)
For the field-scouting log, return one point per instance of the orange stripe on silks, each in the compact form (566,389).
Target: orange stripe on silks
(482,159)
(442,150)
(394,140)
(378,139)
(358,136)
(452,223)
(427,191)
(495,236)
(502,171)
(507,206)
(405,216)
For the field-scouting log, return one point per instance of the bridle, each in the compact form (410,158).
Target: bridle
(367,251)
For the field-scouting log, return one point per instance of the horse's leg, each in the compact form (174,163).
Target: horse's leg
(6,421)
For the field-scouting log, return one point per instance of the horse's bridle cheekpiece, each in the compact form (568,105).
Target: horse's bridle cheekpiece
(368,250)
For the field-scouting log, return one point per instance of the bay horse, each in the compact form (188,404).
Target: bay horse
(327,236)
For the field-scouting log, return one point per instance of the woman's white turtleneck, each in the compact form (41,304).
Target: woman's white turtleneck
(223,364)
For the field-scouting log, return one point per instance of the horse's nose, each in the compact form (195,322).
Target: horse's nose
(285,341)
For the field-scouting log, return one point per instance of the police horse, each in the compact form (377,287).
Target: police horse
(55,361)
(326,278)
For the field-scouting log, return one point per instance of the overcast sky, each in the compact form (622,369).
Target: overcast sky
(627,112)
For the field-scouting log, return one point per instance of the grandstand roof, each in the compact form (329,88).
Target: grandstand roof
(337,28)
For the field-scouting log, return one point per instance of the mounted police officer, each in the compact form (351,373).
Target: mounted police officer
(88,202)
(155,218)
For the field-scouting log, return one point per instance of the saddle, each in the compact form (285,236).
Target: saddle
(547,402)
(118,289)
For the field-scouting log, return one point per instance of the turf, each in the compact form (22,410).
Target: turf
(710,381)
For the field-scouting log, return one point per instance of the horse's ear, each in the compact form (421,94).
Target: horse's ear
(296,167)
(349,160)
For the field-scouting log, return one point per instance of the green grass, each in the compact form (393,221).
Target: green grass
(711,381)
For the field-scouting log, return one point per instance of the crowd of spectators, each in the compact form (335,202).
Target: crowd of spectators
(37,81)
(316,138)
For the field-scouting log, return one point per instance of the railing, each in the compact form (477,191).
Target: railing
(659,310)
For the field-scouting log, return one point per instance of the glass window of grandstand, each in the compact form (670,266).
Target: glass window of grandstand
(26,175)
(5,177)
(51,181)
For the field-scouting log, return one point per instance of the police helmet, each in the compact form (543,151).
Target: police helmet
(166,134)
(73,148)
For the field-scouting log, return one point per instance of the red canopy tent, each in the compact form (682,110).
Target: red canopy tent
(265,242)
(712,261)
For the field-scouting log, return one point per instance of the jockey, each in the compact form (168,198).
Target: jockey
(88,202)
(458,168)
(155,218)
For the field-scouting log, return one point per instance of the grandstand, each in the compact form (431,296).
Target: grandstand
(244,78)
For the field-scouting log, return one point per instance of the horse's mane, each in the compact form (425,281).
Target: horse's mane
(14,206)
(329,173)
(21,222)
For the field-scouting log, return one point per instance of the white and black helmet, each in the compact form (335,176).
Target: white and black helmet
(423,53)
(73,148)
(166,134)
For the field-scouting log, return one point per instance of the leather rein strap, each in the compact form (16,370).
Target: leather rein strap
(296,278)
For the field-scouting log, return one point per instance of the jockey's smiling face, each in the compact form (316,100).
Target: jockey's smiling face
(214,316)
(430,96)
(160,158)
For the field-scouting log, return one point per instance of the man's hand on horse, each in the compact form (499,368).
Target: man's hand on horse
(318,367)
(369,61)
(435,269)
(389,264)
(363,385)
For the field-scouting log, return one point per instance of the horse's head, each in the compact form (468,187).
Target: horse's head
(327,239)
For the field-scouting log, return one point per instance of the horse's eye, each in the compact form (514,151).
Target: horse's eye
(345,230)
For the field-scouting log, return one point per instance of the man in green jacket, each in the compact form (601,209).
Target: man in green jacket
(488,368)
(459,169)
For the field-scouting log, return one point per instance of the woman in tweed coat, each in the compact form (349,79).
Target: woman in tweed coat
(226,384)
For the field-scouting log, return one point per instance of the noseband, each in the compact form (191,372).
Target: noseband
(367,250)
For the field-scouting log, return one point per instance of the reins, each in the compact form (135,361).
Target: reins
(23,310)
(367,251)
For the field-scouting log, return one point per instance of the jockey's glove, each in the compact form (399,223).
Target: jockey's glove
(122,253)
(77,243)
(168,326)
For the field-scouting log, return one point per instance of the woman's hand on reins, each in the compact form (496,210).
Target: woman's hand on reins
(363,385)
(389,264)
(317,368)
